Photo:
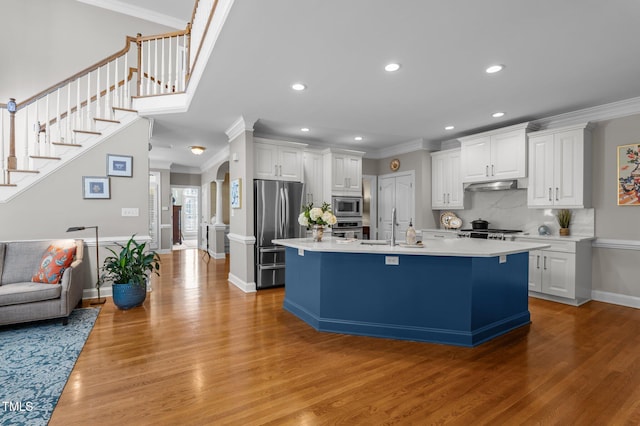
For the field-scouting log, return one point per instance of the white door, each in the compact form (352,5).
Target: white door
(396,191)
(266,158)
(290,163)
(568,168)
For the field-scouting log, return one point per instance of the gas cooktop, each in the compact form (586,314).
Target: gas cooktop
(492,231)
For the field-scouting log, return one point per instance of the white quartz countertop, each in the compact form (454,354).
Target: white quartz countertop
(574,238)
(460,247)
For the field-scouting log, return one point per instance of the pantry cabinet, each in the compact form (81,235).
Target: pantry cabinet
(278,160)
(344,168)
(496,155)
(447,191)
(560,168)
(561,273)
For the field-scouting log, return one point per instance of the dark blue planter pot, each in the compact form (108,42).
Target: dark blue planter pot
(127,296)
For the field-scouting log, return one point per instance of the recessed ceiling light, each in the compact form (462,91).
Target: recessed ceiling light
(449,128)
(494,69)
(298,86)
(358,138)
(497,114)
(392,67)
(304,129)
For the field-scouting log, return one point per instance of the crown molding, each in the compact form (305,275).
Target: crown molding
(598,113)
(138,12)
(238,127)
(403,148)
(158,164)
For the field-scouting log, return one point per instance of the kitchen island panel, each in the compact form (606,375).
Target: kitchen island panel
(452,300)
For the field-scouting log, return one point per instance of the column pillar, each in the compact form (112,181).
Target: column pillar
(219,202)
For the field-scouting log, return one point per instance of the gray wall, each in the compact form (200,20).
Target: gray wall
(614,270)
(48,208)
(61,36)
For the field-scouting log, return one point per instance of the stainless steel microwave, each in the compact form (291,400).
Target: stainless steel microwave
(346,206)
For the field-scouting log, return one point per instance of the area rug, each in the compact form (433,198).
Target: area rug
(36,360)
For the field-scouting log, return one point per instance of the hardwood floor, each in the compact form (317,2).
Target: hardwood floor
(202,352)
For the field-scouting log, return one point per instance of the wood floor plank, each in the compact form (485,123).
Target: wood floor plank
(202,352)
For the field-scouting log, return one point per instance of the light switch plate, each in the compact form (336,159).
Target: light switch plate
(300,252)
(130,211)
(503,259)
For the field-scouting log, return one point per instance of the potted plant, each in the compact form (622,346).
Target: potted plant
(317,218)
(128,270)
(564,220)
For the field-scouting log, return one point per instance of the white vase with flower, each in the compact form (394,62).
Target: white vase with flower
(317,218)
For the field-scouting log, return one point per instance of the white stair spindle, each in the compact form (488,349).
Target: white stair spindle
(116,87)
(27,133)
(163,88)
(155,70)
(68,119)
(177,64)
(148,69)
(2,153)
(47,120)
(98,109)
(107,98)
(170,68)
(125,101)
(78,116)
(87,126)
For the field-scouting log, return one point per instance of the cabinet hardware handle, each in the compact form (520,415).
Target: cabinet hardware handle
(448,198)
(545,263)
(486,171)
(538,261)
(557,190)
(550,194)
(280,170)
(493,170)
(444,198)
(276,170)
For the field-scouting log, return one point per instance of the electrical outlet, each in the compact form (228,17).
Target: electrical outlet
(391,260)
(130,211)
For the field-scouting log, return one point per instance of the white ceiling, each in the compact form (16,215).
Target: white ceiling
(559,56)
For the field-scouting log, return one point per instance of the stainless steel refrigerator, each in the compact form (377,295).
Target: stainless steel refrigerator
(277,207)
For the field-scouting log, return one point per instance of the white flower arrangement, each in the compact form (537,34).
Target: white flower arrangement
(317,215)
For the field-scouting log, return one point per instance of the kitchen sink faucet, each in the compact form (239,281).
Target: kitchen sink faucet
(393,227)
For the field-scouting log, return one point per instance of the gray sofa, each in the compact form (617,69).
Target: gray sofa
(22,300)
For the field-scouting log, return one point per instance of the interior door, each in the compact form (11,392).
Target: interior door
(397,191)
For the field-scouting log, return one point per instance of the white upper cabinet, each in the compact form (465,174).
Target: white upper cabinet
(313,178)
(447,191)
(495,155)
(278,160)
(560,168)
(344,167)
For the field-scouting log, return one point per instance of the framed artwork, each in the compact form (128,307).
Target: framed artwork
(119,165)
(629,175)
(236,193)
(96,187)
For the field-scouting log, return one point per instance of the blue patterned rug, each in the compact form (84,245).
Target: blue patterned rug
(36,360)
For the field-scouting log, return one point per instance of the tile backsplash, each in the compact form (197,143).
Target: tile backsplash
(508,210)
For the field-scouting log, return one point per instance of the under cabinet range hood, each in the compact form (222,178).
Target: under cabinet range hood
(500,185)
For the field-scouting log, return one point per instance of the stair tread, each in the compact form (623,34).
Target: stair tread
(67,144)
(22,171)
(106,120)
(124,109)
(89,132)
(44,157)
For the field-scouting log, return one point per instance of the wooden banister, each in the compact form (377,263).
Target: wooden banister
(77,75)
(204,35)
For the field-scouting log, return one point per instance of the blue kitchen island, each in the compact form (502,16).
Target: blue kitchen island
(455,291)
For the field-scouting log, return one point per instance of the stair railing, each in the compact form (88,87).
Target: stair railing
(54,117)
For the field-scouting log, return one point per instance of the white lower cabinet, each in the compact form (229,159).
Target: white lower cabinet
(436,234)
(561,273)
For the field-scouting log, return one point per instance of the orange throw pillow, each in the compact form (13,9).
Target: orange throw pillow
(53,263)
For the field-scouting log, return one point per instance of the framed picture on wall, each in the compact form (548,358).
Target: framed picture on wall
(236,193)
(96,187)
(119,165)
(629,175)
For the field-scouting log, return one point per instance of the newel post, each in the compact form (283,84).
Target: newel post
(188,67)
(12,161)
(139,65)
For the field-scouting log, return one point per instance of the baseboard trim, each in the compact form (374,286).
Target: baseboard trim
(616,299)
(241,284)
(218,256)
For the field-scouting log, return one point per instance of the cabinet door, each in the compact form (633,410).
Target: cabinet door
(313,178)
(339,172)
(568,169)
(475,156)
(438,191)
(508,155)
(404,201)
(535,270)
(354,174)
(266,157)
(541,170)
(290,163)
(386,201)
(558,273)
(454,187)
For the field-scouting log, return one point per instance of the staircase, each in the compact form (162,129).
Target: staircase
(45,132)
